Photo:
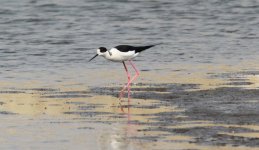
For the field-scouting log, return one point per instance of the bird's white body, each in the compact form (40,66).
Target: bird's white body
(118,56)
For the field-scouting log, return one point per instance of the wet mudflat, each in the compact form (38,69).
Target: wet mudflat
(220,117)
(198,90)
(159,116)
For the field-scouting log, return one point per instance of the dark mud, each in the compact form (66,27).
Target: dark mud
(226,105)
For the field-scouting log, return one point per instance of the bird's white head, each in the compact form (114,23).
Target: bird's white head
(101,51)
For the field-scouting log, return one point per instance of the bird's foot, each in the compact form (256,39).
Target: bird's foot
(121,95)
(121,107)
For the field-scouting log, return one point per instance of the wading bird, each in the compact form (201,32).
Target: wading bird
(123,53)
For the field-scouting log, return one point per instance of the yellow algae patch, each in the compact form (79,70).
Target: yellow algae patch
(253,79)
(31,104)
(48,102)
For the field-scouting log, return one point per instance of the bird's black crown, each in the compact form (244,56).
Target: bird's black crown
(102,49)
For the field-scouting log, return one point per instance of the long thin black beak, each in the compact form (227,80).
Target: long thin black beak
(93,57)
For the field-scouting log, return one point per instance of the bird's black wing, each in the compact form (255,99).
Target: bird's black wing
(137,49)
(125,48)
(142,48)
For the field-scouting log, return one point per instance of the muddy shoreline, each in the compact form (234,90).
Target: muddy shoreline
(229,111)
(159,116)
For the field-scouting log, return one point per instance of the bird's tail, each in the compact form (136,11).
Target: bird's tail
(142,48)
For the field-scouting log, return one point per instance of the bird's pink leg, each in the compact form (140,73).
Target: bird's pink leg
(123,89)
(136,75)
(134,78)
(128,84)
(129,81)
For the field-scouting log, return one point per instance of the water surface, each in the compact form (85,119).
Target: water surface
(51,97)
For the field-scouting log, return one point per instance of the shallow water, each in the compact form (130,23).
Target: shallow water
(52,97)
(51,41)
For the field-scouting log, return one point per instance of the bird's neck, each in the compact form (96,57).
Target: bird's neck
(107,55)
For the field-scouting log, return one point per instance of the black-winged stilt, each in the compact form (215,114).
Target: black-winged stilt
(123,53)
